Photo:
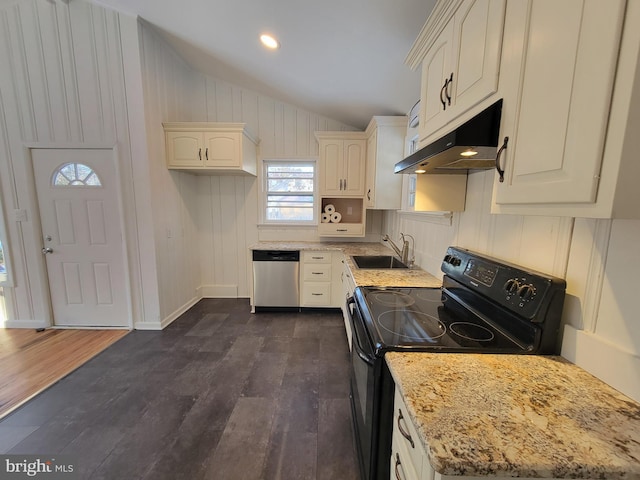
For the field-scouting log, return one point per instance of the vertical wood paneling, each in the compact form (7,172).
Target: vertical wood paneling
(278,130)
(289,126)
(302,132)
(224,102)
(266,126)
(71,107)
(18,69)
(57,117)
(88,83)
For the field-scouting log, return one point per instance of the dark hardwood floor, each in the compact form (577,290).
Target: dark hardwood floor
(219,394)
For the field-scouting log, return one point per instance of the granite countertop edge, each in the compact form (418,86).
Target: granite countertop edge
(517,416)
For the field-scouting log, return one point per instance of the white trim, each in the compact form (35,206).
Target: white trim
(602,359)
(16,323)
(439,218)
(168,320)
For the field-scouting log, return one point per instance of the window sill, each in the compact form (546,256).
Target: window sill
(288,225)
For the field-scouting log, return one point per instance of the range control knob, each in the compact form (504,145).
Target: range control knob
(447,259)
(526,292)
(455,261)
(511,286)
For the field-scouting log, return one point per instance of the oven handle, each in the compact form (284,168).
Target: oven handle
(356,344)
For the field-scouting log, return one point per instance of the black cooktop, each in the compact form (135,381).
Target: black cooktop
(428,319)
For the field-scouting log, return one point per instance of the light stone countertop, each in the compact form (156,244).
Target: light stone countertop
(415,277)
(517,415)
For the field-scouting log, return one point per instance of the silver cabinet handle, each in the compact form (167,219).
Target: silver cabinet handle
(46,250)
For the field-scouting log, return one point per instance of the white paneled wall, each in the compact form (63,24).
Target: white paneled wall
(203,225)
(540,243)
(62,84)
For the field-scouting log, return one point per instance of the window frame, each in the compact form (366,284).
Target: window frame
(265,192)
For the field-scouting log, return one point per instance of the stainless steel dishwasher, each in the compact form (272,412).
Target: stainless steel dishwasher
(275,278)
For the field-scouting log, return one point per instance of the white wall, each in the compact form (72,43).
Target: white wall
(203,225)
(64,82)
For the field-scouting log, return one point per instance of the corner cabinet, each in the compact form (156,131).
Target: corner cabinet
(342,163)
(571,83)
(210,148)
(385,147)
(459,50)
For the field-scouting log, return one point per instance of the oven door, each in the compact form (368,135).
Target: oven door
(365,367)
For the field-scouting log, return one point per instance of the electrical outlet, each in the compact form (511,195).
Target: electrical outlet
(349,210)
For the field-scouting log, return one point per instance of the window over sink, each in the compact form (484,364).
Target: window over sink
(289,191)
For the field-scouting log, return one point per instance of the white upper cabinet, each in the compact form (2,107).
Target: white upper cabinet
(342,163)
(385,147)
(210,148)
(459,50)
(571,107)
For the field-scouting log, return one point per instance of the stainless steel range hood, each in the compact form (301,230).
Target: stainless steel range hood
(450,153)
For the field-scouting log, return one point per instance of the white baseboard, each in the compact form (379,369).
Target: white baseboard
(26,324)
(219,291)
(616,367)
(169,318)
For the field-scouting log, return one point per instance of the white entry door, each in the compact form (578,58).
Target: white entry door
(82,236)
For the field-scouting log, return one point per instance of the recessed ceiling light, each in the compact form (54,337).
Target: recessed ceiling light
(421,170)
(269,41)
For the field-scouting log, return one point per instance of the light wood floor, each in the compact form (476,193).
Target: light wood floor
(31,361)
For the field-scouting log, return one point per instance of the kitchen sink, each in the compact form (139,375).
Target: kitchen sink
(377,261)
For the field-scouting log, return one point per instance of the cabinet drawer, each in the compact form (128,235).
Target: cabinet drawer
(341,229)
(405,433)
(316,294)
(316,257)
(316,272)
(401,465)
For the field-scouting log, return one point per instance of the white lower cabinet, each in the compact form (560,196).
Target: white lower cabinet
(348,287)
(319,277)
(408,459)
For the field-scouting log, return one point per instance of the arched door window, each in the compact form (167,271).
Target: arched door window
(75,174)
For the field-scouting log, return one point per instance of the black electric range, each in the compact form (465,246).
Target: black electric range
(484,306)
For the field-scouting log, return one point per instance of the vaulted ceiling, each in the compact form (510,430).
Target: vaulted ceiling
(339,58)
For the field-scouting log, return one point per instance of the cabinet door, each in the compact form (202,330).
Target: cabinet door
(477,37)
(354,161)
(222,149)
(372,147)
(184,149)
(436,69)
(462,67)
(331,167)
(557,119)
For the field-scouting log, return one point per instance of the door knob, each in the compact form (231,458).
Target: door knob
(46,250)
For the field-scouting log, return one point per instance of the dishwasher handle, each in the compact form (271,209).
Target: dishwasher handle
(276,256)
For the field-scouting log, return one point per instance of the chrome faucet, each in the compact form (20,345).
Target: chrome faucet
(412,258)
(404,253)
